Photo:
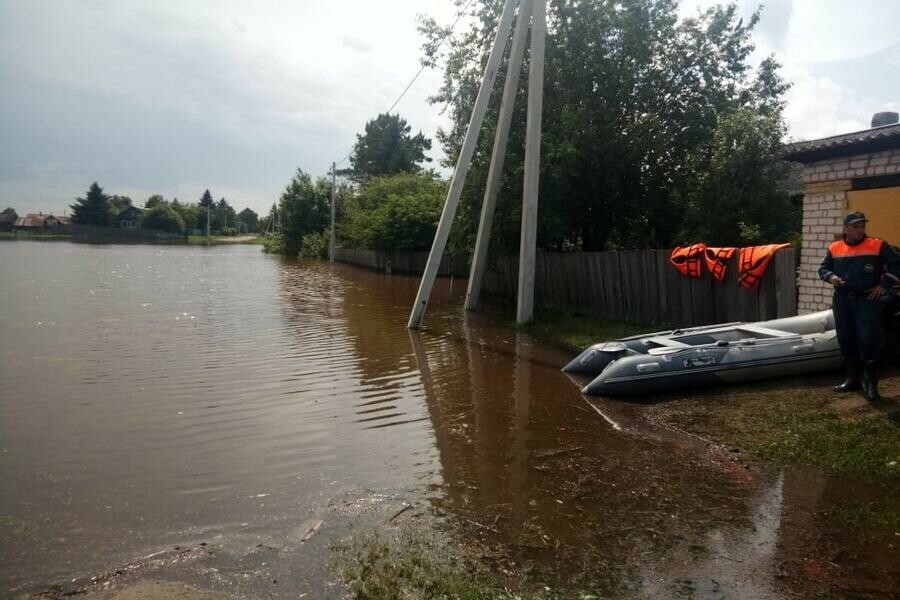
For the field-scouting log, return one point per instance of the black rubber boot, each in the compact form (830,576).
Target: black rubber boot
(852,382)
(870,381)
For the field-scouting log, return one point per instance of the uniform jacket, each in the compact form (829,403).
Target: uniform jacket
(862,265)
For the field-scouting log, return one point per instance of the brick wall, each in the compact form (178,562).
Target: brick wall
(826,184)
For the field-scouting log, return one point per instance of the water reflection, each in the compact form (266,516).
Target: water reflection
(181,395)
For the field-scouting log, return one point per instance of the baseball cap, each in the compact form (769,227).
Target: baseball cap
(855,217)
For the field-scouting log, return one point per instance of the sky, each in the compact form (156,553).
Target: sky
(175,97)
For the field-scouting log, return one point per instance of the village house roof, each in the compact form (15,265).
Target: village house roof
(40,220)
(876,139)
(136,210)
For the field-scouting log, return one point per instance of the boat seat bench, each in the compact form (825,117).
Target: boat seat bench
(664,341)
(765,331)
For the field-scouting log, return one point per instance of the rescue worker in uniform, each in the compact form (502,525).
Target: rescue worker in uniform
(855,265)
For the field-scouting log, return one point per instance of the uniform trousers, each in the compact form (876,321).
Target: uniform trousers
(857,321)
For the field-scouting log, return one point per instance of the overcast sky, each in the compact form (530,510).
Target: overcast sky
(177,97)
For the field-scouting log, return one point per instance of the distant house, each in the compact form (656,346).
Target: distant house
(7,221)
(129,218)
(41,223)
(841,174)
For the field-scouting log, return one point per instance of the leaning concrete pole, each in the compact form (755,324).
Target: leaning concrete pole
(331,241)
(462,166)
(525,302)
(498,155)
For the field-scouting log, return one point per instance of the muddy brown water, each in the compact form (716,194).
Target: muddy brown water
(162,397)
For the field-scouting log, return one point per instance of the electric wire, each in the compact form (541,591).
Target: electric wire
(416,76)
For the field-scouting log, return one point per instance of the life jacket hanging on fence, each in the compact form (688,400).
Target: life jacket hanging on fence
(753,262)
(715,260)
(688,259)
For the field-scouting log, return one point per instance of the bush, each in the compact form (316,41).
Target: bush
(162,217)
(315,245)
(273,243)
(397,212)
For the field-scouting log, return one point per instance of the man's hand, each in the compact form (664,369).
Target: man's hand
(875,293)
(836,281)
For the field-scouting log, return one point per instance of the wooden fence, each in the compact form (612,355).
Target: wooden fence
(634,285)
(118,234)
(403,262)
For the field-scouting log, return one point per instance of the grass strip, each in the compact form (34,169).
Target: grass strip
(404,566)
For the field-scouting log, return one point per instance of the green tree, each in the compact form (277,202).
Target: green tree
(387,147)
(10,211)
(93,209)
(206,199)
(743,196)
(118,203)
(224,216)
(206,216)
(164,218)
(249,220)
(267,222)
(633,101)
(154,201)
(304,207)
(190,213)
(396,212)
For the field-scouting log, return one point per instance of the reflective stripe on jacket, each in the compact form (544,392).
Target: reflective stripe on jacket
(753,262)
(687,259)
(860,265)
(715,260)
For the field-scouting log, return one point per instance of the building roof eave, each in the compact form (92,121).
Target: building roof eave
(886,137)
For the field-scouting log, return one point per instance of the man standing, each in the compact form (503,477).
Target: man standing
(855,266)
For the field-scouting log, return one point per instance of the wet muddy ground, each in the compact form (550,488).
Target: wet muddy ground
(230,441)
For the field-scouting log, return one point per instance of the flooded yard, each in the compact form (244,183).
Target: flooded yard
(223,417)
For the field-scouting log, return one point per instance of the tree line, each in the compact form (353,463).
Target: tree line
(385,200)
(99,209)
(657,131)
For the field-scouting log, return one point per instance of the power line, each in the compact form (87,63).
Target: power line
(416,76)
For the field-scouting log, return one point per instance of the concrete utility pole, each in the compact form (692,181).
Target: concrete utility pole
(525,302)
(498,156)
(462,166)
(333,185)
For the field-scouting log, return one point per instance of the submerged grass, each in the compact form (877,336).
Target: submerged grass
(12,235)
(578,331)
(405,566)
(214,240)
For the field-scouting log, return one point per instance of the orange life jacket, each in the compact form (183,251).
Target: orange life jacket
(715,260)
(753,262)
(687,259)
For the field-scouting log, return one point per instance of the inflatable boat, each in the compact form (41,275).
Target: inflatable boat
(709,355)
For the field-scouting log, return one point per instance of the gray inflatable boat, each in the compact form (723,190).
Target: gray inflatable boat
(709,355)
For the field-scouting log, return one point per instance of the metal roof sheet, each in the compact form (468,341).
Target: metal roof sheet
(885,137)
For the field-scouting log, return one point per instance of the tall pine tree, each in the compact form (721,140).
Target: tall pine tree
(93,209)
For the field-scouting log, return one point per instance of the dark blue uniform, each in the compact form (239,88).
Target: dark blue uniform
(862,267)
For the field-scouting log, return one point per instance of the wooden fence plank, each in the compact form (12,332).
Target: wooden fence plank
(638,285)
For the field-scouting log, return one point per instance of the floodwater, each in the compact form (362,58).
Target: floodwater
(154,397)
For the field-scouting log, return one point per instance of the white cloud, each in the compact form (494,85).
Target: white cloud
(818,107)
(173,98)
(229,95)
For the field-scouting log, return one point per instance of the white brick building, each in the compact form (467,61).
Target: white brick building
(841,174)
